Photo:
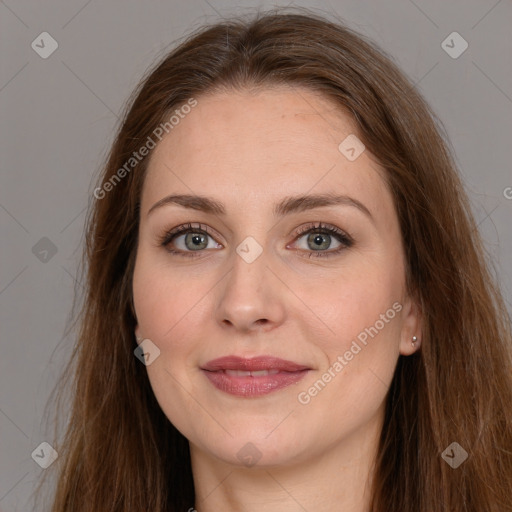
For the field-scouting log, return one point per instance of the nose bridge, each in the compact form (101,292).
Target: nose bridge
(248,279)
(250,294)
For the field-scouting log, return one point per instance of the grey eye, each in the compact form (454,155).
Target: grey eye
(317,242)
(194,241)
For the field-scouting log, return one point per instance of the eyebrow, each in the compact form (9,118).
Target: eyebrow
(292,204)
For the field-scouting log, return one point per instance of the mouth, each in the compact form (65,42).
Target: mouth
(253,377)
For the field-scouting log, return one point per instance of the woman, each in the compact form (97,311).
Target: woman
(287,302)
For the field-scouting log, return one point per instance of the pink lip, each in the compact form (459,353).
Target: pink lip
(288,373)
(253,364)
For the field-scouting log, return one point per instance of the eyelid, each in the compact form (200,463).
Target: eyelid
(170,234)
(342,236)
(321,227)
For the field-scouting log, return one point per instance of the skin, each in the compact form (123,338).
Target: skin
(249,150)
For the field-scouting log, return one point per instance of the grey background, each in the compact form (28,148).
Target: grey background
(57,121)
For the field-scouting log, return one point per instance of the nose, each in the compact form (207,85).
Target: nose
(251,298)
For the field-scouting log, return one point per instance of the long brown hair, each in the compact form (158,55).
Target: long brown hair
(121,453)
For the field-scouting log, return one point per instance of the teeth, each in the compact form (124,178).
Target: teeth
(260,373)
(243,373)
(237,373)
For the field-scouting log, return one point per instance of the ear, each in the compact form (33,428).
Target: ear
(138,336)
(412,323)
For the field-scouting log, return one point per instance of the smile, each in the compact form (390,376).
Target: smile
(253,377)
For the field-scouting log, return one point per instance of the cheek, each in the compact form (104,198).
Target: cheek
(361,319)
(350,303)
(166,301)
(362,312)
(168,306)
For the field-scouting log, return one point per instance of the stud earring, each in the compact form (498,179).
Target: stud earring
(414,340)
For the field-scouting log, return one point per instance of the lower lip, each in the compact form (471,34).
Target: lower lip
(253,386)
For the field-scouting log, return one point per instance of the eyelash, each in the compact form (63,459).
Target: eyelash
(320,227)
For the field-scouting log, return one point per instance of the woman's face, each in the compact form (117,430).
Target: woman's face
(294,254)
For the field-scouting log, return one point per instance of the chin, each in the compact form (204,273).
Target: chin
(256,447)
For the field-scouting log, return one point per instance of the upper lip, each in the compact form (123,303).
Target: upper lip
(253,364)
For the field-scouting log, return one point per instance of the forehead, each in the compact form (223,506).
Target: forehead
(262,144)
